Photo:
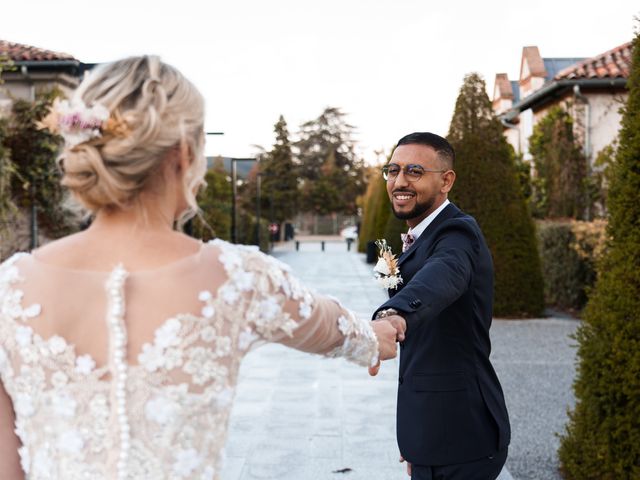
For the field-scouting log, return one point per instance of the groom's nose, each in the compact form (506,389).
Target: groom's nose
(401,180)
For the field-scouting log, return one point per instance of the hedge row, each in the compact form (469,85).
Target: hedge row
(569,250)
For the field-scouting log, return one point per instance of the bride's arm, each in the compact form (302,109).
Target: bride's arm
(9,442)
(284,310)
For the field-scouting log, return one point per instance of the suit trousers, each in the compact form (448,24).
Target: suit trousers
(486,468)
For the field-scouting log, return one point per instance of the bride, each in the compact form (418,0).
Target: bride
(120,345)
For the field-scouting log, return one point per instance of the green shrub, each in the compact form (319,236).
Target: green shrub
(488,188)
(569,250)
(602,438)
(377,210)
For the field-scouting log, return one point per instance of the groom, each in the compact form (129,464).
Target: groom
(452,422)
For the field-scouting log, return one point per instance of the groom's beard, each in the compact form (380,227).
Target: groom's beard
(418,210)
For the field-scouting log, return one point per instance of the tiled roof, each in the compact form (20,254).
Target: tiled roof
(555,65)
(26,53)
(615,63)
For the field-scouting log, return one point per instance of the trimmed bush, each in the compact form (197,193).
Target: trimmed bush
(602,438)
(377,210)
(569,251)
(488,188)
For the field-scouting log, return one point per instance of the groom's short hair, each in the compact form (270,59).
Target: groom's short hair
(444,150)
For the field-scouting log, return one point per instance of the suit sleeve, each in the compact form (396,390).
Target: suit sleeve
(443,278)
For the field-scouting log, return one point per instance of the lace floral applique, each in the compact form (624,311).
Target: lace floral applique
(360,344)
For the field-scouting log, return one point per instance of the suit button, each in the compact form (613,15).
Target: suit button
(400,380)
(415,303)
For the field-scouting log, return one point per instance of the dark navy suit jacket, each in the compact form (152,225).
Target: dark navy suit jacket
(451,407)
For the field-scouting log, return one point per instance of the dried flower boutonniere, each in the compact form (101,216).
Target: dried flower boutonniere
(386,270)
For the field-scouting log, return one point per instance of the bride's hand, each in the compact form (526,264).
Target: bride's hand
(386,334)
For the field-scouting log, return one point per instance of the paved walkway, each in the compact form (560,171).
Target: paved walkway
(304,417)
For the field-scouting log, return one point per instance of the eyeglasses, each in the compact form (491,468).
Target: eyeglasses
(412,172)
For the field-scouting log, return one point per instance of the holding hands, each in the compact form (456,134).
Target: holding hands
(389,330)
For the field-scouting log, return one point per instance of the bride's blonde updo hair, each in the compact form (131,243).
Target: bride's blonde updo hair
(159,109)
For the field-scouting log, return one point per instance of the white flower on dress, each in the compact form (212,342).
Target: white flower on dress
(305,310)
(167,334)
(23,335)
(57,344)
(204,296)
(172,358)
(161,410)
(186,462)
(32,311)
(85,364)
(98,406)
(29,354)
(208,311)
(208,473)
(208,334)
(24,405)
(64,405)
(25,459)
(11,303)
(243,280)
(231,260)
(270,309)
(59,379)
(151,357)
(229,294)
(246,338)
(42,464)
(70,442)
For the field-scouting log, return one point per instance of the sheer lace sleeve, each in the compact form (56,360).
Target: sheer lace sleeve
(283,310)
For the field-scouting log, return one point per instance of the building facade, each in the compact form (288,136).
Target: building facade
(592,89)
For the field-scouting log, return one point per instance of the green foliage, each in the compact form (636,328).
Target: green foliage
(377,210)
(561,169)
(599,180)
(487,188)
(34,177)
(279,195)
(215,206)
(569,250)
(602,438)
(331,172)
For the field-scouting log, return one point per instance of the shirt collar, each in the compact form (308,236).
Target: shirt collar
(422,226)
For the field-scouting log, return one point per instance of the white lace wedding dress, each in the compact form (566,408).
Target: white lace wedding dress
(117,375)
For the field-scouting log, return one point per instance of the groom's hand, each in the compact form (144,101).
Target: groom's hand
(408,465)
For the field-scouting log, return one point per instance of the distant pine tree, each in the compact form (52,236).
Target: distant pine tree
(602,440)
(487,187)
(280,196)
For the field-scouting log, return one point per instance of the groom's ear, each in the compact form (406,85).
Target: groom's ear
(448,179)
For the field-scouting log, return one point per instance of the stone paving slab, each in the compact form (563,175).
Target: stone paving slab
(304,417)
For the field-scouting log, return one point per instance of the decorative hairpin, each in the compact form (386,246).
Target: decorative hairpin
(77,123)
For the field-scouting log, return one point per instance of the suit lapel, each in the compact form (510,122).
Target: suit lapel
(449,211)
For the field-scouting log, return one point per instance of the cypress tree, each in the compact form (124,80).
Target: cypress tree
(487,187)
(377,210)
(561,169)
(602,439)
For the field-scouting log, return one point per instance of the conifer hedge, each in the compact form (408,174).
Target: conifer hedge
(602,438)
(487,188)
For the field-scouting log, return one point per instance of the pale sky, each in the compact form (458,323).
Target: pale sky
(394,66)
